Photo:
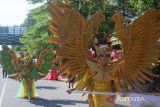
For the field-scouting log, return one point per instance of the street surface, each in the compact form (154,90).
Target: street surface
(51,94)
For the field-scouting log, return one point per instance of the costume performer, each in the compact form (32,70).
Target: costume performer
(74,35)
(25,70)
(52,75)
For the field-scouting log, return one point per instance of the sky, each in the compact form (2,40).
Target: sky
(13,12)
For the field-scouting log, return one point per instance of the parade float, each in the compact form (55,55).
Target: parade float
(24,69)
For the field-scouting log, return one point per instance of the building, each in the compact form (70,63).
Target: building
(10,34)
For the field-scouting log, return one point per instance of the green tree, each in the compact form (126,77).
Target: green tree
(87,8)
(142,5)
(37,20)
(37,1)
(36,23)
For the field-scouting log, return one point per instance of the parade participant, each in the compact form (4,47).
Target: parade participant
(53,74)
(2,60)
(25,70)
(95,76)
(27,88)
(4,73)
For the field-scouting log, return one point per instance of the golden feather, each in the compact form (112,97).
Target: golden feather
(74,34)
(140,45)
(14,61)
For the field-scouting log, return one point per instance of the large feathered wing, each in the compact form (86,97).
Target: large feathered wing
(70,28)
(141,47)
(34,70)
(44,61)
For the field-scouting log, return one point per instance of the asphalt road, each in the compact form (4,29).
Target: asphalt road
(51,94)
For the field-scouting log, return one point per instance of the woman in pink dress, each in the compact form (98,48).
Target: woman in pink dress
(53,75)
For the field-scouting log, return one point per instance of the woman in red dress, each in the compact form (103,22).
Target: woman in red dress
(53,75)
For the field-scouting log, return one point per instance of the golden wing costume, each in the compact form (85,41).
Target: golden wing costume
(74,35)
(140,45)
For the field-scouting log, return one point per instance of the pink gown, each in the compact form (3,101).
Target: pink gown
(52,75)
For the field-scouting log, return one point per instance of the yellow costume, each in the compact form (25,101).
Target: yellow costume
(73,35)
(27,89)
(27,71)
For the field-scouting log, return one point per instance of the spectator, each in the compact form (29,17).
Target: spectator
(4,73)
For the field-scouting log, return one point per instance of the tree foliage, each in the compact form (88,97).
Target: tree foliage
(37,1)
(35,37)
(142,5)
(37,20)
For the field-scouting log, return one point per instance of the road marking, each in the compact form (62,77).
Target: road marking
(3,91)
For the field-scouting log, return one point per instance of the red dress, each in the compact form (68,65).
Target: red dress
(53,75)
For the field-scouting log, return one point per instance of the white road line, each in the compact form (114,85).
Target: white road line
(3,91)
